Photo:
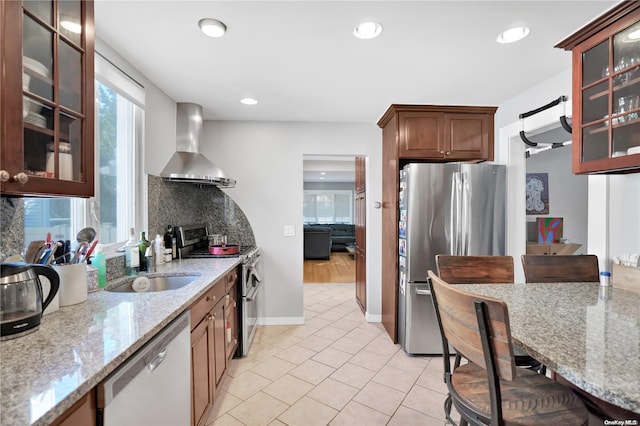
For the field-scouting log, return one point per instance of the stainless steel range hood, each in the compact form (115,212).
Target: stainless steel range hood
(187,164)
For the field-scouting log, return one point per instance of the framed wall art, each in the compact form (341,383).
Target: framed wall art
(537,193)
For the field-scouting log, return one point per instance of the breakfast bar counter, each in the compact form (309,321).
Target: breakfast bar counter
(45,372)
(589,336)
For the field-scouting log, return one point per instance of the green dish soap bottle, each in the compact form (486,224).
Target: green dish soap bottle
(99,260)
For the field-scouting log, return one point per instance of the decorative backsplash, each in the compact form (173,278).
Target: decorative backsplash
(12,222)
(175,203)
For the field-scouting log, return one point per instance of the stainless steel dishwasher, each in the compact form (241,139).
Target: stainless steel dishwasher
(153,387)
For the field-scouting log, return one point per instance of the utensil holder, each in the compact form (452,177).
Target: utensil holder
(73,283)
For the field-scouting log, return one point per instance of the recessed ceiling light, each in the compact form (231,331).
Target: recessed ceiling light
(512,35)
(248,101)
(212,27)
(322,173)
(367,30)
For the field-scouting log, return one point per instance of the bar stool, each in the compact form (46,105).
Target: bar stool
(484,270)
(490,389)
(540,268)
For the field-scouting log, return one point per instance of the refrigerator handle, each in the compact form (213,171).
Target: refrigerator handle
(423,292)
(466,215)
(454,230)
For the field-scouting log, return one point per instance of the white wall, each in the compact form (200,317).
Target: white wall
(266,158)
(613,201)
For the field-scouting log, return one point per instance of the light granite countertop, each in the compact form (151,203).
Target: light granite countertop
(45,372)
(592,340)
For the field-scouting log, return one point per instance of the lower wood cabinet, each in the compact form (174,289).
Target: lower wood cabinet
(214,339)
(82,413)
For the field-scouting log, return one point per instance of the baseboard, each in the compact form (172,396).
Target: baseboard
(281,321)
(373,318)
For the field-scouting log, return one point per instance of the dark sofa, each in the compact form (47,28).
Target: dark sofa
(317,242)
(342,234)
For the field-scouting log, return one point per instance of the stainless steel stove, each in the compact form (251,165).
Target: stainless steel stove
(192,242)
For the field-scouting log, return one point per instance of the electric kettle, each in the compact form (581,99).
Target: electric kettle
(21,303)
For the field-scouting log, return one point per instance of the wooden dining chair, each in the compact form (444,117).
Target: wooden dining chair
(483,270)
(539,268)
(490,389)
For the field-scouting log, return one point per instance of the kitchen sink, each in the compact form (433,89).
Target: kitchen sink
(144,284)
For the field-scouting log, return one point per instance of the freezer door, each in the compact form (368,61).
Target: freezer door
(430,216)
(421,332)
(483,209)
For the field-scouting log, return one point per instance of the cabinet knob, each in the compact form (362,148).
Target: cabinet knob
(21,178)
(4,176)
(448,153)
(210,298)
(441,152)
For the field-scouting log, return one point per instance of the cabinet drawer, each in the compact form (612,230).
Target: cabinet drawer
(208,300)
(231,279)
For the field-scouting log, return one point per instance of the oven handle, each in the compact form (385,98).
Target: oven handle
(251,297)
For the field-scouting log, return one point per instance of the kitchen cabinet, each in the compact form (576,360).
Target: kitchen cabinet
(442,133)
(214,338)
(47,98)
(606,88)
(423,133)
(82,413)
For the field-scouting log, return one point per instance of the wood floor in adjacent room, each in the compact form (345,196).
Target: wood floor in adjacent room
(341,268)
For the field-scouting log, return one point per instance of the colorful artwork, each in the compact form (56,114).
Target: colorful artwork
(537,193)
(549,229)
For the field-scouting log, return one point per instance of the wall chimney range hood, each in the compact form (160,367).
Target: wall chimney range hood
(187,164)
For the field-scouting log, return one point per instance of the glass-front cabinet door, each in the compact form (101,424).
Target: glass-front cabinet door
(606,94)
(52,151)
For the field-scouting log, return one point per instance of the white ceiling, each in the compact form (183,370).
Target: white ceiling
(300,60)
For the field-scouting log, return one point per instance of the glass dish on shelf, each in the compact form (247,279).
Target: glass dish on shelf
(35,66)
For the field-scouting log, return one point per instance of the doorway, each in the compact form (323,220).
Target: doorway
(565,194)
(329,203)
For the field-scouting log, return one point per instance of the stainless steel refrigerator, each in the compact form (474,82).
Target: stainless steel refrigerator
(445,208)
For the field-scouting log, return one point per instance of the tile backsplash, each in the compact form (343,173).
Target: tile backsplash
(176,203)
(12,223)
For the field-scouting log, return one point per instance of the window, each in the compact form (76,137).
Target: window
(328,206)
(116,206)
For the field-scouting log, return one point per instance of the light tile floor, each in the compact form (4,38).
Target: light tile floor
(336,369)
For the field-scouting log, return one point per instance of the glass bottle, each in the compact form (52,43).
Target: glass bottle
(131,256)
(143,244)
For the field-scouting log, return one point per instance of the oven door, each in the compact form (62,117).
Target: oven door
(251,287)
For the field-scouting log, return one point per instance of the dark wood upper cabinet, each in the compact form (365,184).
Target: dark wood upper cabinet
(423,133)
(47,98)
(606,90)
(442,133)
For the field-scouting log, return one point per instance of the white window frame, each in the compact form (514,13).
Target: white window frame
(134,205)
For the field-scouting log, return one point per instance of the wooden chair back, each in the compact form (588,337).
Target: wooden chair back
(475,269)
(458,317)
(539,268)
